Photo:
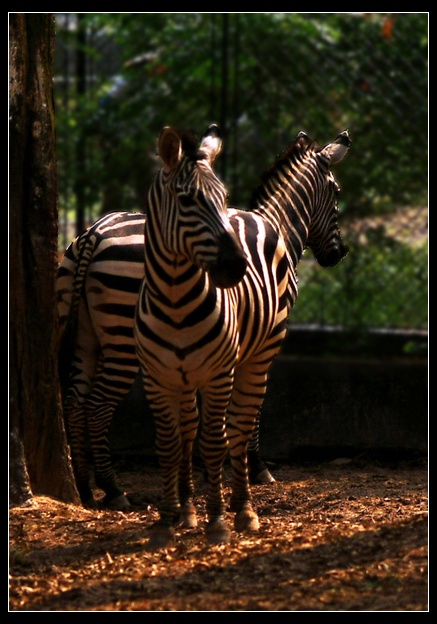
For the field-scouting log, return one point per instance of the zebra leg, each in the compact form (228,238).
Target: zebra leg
(82,371)
(99,421)
(189,424)
(75,421)
(165,407)
(258,471)
(246,401)
(213,450)
(109,388)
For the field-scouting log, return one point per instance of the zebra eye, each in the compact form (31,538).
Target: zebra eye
(186,200)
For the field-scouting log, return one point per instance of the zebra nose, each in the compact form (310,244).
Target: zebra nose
(231,264)
(344,250)
(335,255)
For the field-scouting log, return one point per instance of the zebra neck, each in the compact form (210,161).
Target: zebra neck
(289,222)
(171,281)
(287,197)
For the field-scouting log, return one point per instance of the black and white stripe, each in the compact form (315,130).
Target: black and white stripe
(98,282)
(207,323)
(99,279)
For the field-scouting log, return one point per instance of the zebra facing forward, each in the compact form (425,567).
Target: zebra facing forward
(206,325)
(98,281)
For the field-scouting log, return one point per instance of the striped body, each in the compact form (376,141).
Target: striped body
(101,272)
(97,285)
(198,331)
(98,281)
(224,352)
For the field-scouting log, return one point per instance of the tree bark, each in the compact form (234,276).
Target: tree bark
(39,459)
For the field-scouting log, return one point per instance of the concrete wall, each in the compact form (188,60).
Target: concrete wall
(328,394)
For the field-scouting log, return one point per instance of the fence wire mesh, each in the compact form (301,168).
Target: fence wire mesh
(119,78)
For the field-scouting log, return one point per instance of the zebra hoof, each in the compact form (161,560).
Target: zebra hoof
(161,537)
(264,477)
(188,518)
(218,532)
(90,503)
(246,521)
(119,503)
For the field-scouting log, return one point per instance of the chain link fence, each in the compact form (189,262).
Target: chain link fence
(119,78)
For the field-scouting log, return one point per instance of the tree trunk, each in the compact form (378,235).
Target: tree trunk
(39,460)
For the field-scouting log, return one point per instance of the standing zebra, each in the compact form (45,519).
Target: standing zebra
(98,282)
(213,327)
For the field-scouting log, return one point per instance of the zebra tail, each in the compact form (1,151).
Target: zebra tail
(79,254)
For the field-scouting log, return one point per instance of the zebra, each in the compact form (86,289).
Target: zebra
(213,325)
(97,285)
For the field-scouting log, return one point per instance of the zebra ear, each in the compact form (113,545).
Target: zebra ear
(169,148)
(211,143)
(337,150)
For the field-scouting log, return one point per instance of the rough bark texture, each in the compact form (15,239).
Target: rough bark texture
(39,462)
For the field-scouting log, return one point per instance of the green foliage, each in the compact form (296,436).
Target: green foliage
(381,283)
(263,77)
(283,72)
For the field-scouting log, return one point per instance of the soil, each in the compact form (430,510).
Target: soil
(343,535)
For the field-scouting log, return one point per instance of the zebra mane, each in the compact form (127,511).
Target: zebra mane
(291,154)
(190,145)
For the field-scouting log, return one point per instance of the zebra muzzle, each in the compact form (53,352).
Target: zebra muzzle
(230,266)
(335,255)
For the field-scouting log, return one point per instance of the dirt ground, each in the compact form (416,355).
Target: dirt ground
(343,535)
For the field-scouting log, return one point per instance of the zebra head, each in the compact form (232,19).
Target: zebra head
(191,212)
(324,235)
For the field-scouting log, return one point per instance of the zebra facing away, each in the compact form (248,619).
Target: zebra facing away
(215,327)
(98,282)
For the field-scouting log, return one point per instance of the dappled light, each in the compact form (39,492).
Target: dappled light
(348,535)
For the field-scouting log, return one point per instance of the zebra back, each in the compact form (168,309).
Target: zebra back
(93,253)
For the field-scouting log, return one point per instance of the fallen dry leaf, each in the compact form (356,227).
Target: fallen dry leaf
(339,536)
